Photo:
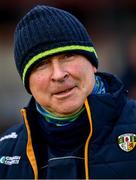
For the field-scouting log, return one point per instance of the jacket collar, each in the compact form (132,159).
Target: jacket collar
(107,108)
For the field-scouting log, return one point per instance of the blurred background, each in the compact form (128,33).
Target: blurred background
(111,25)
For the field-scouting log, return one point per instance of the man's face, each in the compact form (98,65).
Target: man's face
(61,83)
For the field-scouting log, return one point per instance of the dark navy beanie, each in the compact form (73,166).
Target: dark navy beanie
(46,31)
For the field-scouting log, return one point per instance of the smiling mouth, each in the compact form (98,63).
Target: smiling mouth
(65,93)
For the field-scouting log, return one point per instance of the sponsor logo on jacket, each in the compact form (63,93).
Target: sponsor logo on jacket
(9,160)
(13,135)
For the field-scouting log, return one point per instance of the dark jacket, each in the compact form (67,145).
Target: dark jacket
(36,149)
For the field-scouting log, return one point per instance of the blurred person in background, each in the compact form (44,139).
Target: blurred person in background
(79,123)
(129,75)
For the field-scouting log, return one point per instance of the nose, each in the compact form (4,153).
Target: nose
(58,73)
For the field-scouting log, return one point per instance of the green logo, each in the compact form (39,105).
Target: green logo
(127,142)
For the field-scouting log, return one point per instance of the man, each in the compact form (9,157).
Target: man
(79,123)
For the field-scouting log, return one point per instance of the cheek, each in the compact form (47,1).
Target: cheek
(38,81)
(81,72)
(77,70)
(87,77)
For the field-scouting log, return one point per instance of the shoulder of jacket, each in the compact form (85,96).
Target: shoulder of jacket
(129,111)
(130,105)
(12,135)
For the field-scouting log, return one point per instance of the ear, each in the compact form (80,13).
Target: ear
(94,69)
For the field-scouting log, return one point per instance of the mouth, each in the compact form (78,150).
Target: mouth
(64,93)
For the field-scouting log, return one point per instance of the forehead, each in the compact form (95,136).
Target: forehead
(58,56)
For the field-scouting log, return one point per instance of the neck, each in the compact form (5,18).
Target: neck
(59,120)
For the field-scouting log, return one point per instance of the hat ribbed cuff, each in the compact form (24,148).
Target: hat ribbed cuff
(52,52)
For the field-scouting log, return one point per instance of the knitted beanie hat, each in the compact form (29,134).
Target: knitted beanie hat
(46,31)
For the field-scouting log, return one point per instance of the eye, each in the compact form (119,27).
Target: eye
(42,65)
(69,56)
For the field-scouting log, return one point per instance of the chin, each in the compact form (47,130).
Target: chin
(68,111)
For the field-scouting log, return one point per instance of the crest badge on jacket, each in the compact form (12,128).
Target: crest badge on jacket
(127,142)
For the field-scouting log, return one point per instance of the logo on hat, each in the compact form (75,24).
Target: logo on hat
(127,142)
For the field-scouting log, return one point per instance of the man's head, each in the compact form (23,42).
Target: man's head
(47,31)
